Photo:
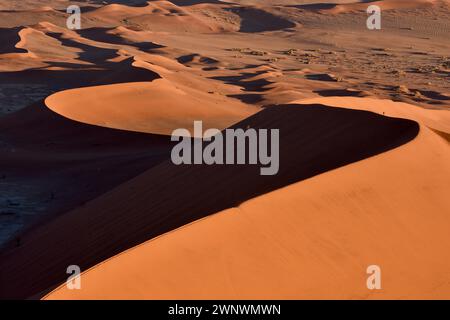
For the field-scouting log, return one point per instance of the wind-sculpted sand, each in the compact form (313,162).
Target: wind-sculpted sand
(311,239)
(87,178)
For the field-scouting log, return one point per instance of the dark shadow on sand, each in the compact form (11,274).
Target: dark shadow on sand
(313,139)
(68,163)
(102,35)
(9,38)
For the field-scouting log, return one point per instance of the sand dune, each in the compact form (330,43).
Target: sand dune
(152,209)
(311,248)
(436,119)
(79,163)
(384,5)
(158,16)
(12,40)
(85,170)
(156,107)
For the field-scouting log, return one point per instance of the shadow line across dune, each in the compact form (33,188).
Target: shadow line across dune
(313,139)
(51,164)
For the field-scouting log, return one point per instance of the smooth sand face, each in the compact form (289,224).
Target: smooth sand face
(313,239)
(92,158)
(157,107)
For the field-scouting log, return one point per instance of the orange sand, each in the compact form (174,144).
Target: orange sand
(313,239)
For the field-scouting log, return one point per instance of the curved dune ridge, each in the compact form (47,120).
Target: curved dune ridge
(339,6)
(12,40)
(315,237)
(314,139)
(384,5)
(166,16)
(86,172)
(157,107)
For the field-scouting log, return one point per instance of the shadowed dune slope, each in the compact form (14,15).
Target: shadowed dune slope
(10,38)
(58,164)
(384,5)
(313,140)
(80,76)
(310,240)
(119,36)
(334,7)
(435,119)
(257,20)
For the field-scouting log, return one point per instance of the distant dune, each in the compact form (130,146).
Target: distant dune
(316,237)
(158,107)
(313,140)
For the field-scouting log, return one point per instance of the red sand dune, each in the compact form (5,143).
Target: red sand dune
(314,140)
(384,5)
(316,237)
(155,107)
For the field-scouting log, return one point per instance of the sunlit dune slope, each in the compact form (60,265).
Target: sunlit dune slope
(153,107)
(86,175)
(384,5)
(313,139)
(436,119)
(313,239)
